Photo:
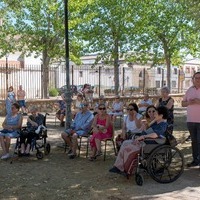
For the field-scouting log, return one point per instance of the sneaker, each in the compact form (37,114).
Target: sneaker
(98,154)
(72,156)
(92,158)
(5,156)
(115,170)
(192,164)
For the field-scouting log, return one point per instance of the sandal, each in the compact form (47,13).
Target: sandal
(92,158)
(98,154)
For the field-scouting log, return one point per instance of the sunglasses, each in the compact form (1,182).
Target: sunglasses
(102,108)
(151,111)
(131,109)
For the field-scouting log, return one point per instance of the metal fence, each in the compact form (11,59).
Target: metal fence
(132,81)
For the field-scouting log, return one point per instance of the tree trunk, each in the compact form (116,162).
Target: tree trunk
(116,65)
(168,63)
(45,60)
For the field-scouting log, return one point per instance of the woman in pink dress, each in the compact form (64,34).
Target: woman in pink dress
(102,129)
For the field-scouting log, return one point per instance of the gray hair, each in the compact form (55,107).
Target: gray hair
(165,88)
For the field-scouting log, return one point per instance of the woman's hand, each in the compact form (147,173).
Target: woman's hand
(140,138)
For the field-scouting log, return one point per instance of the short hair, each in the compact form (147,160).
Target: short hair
(134,106)
(166,89)
(17,106)
(11,87)
(162,110)
(101,104)
(195,74)
(151,106)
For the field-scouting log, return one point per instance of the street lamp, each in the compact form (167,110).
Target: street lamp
(68,91)
(7,72)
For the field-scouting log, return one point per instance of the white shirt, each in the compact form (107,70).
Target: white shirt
(130,125)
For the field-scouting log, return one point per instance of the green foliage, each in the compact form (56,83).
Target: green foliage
(53,92)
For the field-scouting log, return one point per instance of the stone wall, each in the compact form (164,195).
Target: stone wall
(47,105)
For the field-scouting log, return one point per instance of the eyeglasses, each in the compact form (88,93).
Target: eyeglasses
(131,109)
(102,108)
(151,111)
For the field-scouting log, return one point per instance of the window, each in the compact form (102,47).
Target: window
(175,71)
(158,70)
(157,84)
(193,70)
(80,73)
(174,84)
(187,70)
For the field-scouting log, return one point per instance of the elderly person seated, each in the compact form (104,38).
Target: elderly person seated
(102,129)
(101,101)
(144,103)
(34,126)
(126,154)
(117,108)
(80,126)
(11,128)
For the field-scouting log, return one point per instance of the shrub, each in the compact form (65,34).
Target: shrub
(53,92)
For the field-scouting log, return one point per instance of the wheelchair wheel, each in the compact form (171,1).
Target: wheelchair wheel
(39,155)
(165,164)
(139,179)
(47,149)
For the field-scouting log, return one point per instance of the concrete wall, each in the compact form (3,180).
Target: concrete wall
(47,105)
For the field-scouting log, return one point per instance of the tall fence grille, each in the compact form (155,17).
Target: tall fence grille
(131,81)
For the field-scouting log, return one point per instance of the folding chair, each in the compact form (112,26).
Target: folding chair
(106,142)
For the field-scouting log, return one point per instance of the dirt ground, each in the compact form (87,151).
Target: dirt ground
(57,177)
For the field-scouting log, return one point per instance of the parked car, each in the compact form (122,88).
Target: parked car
(64,88)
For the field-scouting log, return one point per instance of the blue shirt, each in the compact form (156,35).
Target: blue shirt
(160,129)
(83,121)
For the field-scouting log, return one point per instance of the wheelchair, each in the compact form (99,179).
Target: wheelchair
(163,162)
(35,144)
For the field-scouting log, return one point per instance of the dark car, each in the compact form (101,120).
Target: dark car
(64,88)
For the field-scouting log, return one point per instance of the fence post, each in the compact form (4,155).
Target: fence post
(42,82)
(6,73)
(123,80)
(99,81)
(144,76)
